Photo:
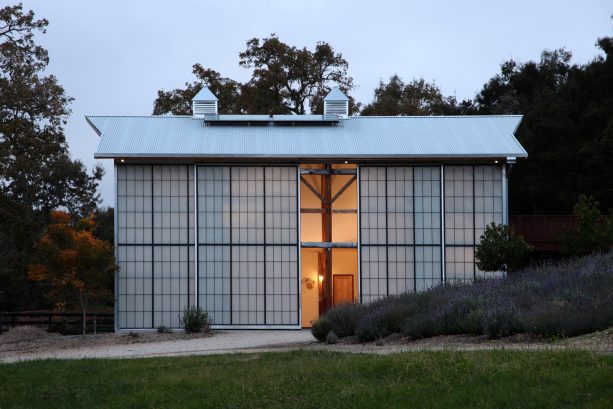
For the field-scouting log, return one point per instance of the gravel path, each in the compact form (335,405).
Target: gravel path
(29,343)
(219,343)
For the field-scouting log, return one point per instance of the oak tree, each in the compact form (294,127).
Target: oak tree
(37,173)
(285,80)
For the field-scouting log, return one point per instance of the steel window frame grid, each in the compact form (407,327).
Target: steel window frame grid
(414,245)
(152,245)
(498,168)
(264,245)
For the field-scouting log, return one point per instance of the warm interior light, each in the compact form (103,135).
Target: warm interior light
(346,161)
(495,161)
(121,160)
(321,278)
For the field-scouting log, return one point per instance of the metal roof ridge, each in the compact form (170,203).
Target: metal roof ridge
(441,116)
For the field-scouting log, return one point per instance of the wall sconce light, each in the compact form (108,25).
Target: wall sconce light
(321,278)
(309,282)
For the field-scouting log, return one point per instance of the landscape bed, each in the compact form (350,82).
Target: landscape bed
(309,379)
(564,299)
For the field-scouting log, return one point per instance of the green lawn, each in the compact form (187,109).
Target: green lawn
(496,379)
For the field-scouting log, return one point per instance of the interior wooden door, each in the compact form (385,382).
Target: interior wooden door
(342,289)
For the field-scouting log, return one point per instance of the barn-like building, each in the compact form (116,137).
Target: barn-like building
(266,221)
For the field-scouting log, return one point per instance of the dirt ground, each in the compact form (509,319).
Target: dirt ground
(600,342)
(22,343)
(24,340)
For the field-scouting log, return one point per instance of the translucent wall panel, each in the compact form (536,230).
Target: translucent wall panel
(248,285)
(488,198)
(213,204)
(155,226)
(281,285)
(427,205)
(174,268)
(473,199)
(401,270)
(247,199)
(400,216)
(428,267)
(173,204)
(374,273)
(248,241)
(281,204)
(372,206)
(134,204)
(400,205)
(134,296)
(488,204)
(459,205)
(459,263)
(214,285)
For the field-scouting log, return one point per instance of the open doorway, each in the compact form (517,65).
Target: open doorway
(329,231)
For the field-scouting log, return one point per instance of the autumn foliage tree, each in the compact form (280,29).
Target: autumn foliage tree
(75,265)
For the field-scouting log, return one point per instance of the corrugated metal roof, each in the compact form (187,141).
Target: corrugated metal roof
(356,137)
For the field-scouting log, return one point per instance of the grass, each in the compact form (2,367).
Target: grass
(309,379)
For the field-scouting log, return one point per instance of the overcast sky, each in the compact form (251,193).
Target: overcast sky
(112,56)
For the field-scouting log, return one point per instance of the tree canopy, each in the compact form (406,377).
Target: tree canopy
(418,97)
(284,80)
(37,174)
(567,128)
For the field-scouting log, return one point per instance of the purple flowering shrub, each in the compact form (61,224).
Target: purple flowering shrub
(562,299)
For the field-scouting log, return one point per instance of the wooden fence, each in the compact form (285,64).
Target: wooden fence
(63,322)
(542,231)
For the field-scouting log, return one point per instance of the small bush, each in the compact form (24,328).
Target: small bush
(594,231)
(501,321)
(321,328)
(163,330)
(419,326)
(195,320)
(343,319)
(331,338)
(501,249)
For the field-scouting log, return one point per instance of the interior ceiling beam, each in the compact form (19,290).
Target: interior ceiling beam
(328,171)
(311,188)
(328,245)
(318,210)
(345,187)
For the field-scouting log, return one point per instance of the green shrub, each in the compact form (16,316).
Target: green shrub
(193,319)
(501,321)
(501,249)
(567,298)
(343,319)
(419,326)
(321,328)
(162,329)
(594,231)
(331,338)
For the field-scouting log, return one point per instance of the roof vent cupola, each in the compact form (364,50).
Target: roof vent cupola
(336,104)
(205,104)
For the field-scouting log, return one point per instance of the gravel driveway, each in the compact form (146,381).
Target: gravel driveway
(221,342)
